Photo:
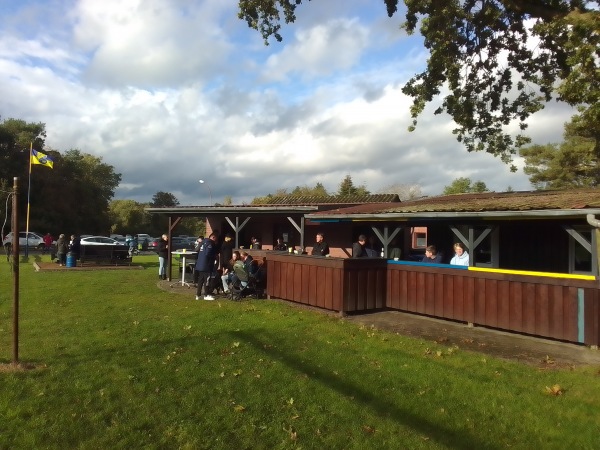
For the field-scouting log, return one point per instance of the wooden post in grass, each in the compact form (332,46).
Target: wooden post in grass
(15,261)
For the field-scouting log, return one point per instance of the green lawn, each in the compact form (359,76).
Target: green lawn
(120,363)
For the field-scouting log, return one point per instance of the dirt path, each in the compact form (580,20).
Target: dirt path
(543,353)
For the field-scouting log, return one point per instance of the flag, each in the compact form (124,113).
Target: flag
(40,158)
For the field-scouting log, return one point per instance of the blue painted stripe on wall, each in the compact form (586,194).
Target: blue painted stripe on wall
(415,263)
(581,315)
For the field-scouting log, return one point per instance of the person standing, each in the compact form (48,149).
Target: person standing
(461,256)
(163,256)
(47,242)
(75,246)
(226,252)
(358,248)
(205,265)
(321,248)
(61,249)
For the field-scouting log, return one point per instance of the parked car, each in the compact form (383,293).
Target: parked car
(143,240)
(179,243)
(153,244)
(99,240)
(33,240)
(117,237)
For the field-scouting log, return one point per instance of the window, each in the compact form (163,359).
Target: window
(580,255)
(420,240)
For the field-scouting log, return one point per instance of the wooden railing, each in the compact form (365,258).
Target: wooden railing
(544,305)
(336,284)
(547,306)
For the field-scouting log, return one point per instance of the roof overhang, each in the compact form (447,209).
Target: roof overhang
(230,210)
(429,215)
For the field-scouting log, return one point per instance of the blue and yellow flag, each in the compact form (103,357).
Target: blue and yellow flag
(40,158)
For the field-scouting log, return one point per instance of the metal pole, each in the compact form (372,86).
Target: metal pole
(209,191)
(15,261)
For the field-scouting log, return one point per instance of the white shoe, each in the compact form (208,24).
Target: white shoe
(197,298)
(208,297)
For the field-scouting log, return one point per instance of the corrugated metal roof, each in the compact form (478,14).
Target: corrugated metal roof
(329,200)
(486,202)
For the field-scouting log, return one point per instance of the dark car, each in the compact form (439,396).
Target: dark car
(178,243)
(153,244)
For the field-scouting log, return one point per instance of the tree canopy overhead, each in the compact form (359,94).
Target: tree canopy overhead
(497,62)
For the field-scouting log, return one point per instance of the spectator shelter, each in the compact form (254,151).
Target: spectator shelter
(533,266)
(282,217)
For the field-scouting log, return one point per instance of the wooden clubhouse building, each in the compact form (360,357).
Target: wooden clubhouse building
(533,256)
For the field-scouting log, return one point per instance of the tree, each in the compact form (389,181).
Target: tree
(16,138)
(88,185)
(404,191)
(72,197)
(163,199)
(347,187)
(305,191)
(500,60)
(126,216)
(571,164)
(464,185)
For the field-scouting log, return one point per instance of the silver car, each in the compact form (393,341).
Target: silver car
(99,240)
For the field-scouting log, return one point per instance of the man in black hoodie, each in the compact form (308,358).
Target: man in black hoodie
(205,265)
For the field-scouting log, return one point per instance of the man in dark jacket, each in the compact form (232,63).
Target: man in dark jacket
(358,248)
(205,265)
(431,255)
(226,252)
(321,248)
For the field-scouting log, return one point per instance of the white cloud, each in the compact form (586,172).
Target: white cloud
(319,51)
(170,92)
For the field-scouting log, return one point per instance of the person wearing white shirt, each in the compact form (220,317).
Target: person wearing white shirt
(461,256)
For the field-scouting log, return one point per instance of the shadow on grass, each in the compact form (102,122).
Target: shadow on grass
(444,436)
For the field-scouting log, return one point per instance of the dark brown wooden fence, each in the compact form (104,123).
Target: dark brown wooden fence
(337,284)
(557,308)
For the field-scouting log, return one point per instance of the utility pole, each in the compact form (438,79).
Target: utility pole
(15,269)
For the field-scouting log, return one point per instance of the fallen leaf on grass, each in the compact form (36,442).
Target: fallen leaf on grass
(235,344)
(369,429)
(239,408)
(293,434)
(554,390)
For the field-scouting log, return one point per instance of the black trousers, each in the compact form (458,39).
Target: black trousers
(203,279)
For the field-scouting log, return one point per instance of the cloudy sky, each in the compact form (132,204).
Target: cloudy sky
(173,91)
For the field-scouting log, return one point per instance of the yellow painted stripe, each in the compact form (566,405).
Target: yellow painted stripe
(535,274)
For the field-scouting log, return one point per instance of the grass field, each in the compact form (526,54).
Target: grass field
(114,362)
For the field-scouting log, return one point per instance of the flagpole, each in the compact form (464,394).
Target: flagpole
(28,190)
